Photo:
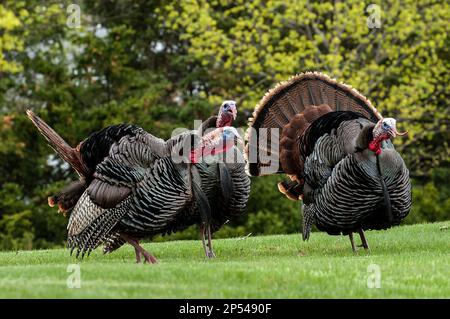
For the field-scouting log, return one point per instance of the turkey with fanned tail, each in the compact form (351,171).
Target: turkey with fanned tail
(336,149)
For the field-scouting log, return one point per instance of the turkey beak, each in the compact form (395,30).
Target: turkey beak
(393,132)
(400,133)
(234,111)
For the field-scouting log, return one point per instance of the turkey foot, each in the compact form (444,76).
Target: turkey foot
(364,242)
(149,258)
(205,231)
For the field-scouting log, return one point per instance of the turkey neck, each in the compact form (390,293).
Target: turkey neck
(224,120)
(375,144)
(367,140)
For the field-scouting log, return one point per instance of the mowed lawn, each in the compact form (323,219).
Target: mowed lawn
(413,262)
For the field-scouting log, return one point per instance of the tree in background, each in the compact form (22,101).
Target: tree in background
(402,66)
(162,64)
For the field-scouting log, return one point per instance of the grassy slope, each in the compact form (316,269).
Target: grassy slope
(414,262)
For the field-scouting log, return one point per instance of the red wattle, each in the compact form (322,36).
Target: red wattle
(375,147)
(193,157)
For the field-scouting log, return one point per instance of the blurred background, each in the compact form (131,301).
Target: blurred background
(83,65)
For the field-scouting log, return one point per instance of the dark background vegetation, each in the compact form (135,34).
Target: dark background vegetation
(162,64)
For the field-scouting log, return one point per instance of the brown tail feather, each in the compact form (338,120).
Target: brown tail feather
(292,189)
(289,146)
(68,197)
(64,150)
(293,104)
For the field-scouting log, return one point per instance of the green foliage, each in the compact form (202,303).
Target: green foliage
(431,199)
(402,66)
(16,228)
(163,64)
(269,214)
(10,42)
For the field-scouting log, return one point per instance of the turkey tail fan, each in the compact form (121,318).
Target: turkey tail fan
(289,108)
(65,151)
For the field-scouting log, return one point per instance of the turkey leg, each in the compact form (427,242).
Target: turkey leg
(139,250)
(202,235)
(352,241)
(211,252)
(205,232)
(364,242)
(138,255)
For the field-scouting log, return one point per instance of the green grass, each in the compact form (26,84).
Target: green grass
(414,262)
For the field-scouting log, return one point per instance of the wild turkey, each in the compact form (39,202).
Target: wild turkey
(223,181)
(336,149)
(227,114)
(131,188)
